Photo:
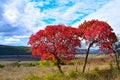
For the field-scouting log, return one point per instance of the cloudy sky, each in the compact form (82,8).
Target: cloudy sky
(21,18)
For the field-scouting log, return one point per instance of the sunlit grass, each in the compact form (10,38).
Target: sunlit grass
(96,68)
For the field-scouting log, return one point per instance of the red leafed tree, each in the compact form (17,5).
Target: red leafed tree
(99,33)
(55,42)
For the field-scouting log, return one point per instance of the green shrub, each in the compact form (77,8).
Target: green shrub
(70,63)
(50,77)
(32,77)
(1,65)
(82,78)
(30,64)
(95,72)
(72,74)
(55,76)
(103,60)
(111,67)
(16,64)
(46,63)
(58,73)
(97,69)
(78,62)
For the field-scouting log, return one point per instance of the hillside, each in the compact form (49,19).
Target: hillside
(14,50)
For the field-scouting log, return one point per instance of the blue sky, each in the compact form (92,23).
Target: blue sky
(21,18)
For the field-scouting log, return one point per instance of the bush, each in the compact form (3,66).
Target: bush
(111,67)
(102,59)
(33,77)
(58,73)
(30,64)
(16,64)
(82,78)
(78,62)
(106,74)
(46,63)
(95,72)
(55,76)
(97,69)
(50,77)
(70,63)
(1,65)
(72,74)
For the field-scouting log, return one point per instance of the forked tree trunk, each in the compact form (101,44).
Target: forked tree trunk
(87,53)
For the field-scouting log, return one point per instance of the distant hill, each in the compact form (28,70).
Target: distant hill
(14,50)
(22,50)
(92,51)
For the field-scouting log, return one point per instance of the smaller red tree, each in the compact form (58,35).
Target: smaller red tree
(55,42)
(99,33)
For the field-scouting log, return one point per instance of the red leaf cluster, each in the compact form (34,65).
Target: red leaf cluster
(98,32)
(60,41)
(55,41)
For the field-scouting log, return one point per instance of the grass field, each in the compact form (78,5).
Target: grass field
(97,66)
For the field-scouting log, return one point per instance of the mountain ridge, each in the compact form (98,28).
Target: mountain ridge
(14,50)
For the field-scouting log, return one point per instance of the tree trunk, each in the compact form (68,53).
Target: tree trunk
(117,61)
(118,54)
(59,67)
(76,65)
(87,53)
(58,63)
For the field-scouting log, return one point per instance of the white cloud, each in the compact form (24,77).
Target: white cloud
(70,13)
(11,40)
(12,11)
(66,14)
(11,15)
(109,13)
(27,18)
(20,37)
(31,18)
(14,40)
(24,14)
(21,13)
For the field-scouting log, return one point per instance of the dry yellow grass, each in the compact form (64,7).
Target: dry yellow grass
(17,73)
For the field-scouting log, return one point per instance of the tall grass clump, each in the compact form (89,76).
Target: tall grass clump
(55,76)
(50,77)
(1,65)
(105,74)
(32,77)
(72,74)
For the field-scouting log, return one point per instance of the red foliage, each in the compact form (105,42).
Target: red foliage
(55,41)
(98,32)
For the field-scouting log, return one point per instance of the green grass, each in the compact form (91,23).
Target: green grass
(72,75)
(32,77)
